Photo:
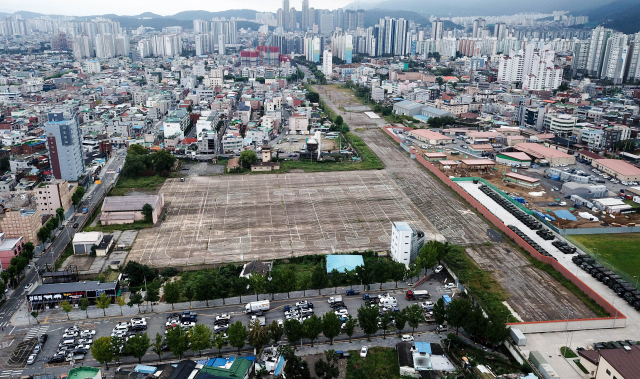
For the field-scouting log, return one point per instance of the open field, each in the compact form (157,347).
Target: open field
(622,250)
(224,219)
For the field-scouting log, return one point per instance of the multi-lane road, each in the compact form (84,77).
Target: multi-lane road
(92,199)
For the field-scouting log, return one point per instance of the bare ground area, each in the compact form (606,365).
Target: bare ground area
(533,294)
(235,218)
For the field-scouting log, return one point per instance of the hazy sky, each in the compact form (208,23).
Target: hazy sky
(161,7)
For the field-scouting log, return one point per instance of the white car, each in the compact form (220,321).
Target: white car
(87,333)
(438,269)
(28,286)
(138,321)
(224,316)
(342,312)
(85,341)
(119,333)
(563,203)
(363,351)
(303,302)
(407,338)
(31,359)
(450,285)
(122,325)
(426,304)
(72,329)
(188,324)
(70,335)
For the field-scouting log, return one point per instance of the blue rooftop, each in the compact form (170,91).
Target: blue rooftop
(565,215)
(423,347)
(402,226)
(343,262)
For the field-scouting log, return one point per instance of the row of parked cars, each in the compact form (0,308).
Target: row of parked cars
(612,345)
(37,349)
(526,219)
(73,345)
(301,311)
(620,286)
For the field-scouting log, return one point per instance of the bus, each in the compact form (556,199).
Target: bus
(635,159)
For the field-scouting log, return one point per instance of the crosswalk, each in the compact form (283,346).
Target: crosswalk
(4,324)
(10,373)
(36,331)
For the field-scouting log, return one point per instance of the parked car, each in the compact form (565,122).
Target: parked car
(363,351)
(351,292)
(31,359)
(438,269)
(407,338)
(28,286)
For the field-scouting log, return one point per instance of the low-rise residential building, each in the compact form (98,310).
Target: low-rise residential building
(83,243)
(128,209)
(24,223)
(9,248)
(53,195)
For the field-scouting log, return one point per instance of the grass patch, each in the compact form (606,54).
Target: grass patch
(480,283)
(137,225)
(146,183)
(93,218)
(369,160)
(68,251)
(621,250)
(381,362)
(632,203)
(567,352)
(580,366)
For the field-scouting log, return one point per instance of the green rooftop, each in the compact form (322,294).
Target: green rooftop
(83,372)
(238,369)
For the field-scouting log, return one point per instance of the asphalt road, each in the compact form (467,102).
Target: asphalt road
(206,315)
(49,257)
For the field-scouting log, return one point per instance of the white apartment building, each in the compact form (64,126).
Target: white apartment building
(327,63)
(405,242)
(560,124)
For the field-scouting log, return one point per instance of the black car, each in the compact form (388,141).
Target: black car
(136,328)
(56,359)
(221,322)
(76,225)
(43,338)
(80,350)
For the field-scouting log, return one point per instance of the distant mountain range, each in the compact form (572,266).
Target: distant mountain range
(449,8)
(621,15)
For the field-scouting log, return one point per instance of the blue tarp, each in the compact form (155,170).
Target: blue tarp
(145,369)
(446,299)
(546,216)
(279,367)
(343,262)
(423,347)
(565,215)
(217,362)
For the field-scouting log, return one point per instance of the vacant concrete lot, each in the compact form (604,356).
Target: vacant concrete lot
(245,217)
(534,294)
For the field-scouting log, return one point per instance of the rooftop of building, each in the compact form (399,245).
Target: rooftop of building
(619,166)
(129,203)
(47,289)
(343,262)
(540,151)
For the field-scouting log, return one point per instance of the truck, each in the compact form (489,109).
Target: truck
(367,297)
(417,295)
(335,299)
(351,292)
(256,306)
(188,316)
(261,319)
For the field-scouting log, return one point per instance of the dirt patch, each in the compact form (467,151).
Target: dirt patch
(312,359)
(534,294)
(83,262)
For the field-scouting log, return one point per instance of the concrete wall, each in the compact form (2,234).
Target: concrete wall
(620,321)
(609,230)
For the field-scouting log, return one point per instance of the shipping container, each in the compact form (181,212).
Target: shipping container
(518,337)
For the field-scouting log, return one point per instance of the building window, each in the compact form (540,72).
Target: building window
(608,372)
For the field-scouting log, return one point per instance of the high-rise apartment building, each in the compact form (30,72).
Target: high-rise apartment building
(360,18)
(500,30)
(534,68)
(479,25)
(437,29)
(285,15)
(615,57)
(327,63)
(64,142)
(597,47)
(304,21)
(292,18)
(326,23)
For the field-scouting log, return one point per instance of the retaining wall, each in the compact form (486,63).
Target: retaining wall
(548,326)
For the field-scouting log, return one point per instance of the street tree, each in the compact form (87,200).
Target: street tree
(237,335)
(135,300)
(304,283)
(187,292)
(457,313)
(205,288)
(162,160)
(297,368)
(368,320)
(103,302)
(178,341)
(401,320)
(60,213)
(414,316)
(2,288)
(331,325)
(312,327)
(84,305)
(258,336)
(137,346)
(496,332)
(66,307)
(258,283)
(293,330)
(218,341)
(385,323)
(172,293)
(397,272)
(319,277)
(152,296)
(276,331)
(350,326)
(440,312)
(200,338)
(475,323)
(147,213)
(428,256)
(158,345)
(325,369)
(101,350)
(35,314)
(121,302)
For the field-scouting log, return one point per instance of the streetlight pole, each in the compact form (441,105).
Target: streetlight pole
(613,303)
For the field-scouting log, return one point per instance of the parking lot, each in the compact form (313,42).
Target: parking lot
(242,218)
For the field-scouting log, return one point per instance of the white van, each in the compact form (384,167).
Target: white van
(388,301)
